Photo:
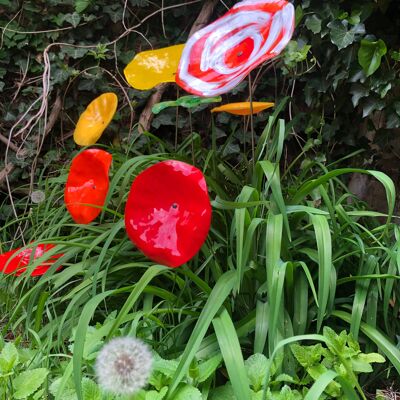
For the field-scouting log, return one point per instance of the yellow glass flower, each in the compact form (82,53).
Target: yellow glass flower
(149,68)
(243,108)
(95,119)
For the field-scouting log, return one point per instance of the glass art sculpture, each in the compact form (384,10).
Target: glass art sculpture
(219,56)
(168,212)
(17,260)
(152,67)
(95,119)
(186,102)
(87,185)
(243,108)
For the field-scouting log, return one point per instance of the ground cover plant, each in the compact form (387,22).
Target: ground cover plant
(294,294)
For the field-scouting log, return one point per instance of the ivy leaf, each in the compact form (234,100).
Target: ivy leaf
(370,55)
(358,91)
(341,36)
(73,19)
(28,382)
(314,24)
(82,5)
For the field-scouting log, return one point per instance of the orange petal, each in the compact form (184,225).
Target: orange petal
(95,119)
(152,67)
(243,108)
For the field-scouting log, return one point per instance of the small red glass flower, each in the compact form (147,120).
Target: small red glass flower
(18,263)
(87,185)
(219,56)
(168,212)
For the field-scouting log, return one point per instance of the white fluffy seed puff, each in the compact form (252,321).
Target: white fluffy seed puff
(123,366)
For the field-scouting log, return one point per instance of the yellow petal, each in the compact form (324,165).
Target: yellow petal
(95,119)
(243,108)
(149,68)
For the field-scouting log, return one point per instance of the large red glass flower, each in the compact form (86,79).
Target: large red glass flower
(18,263)
(87,185)
(168,212)
(219,56)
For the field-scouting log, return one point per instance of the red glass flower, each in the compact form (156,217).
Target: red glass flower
(19,263)
(219,56)
(87,185)
(168,212)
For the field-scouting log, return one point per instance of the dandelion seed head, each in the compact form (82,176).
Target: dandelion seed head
(38,197)
(123,366)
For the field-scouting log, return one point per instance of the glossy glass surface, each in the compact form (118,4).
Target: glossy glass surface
(87,185)
(219,56)
(95,119)
(152,67)
(168,212)
(11,262)
(243,108)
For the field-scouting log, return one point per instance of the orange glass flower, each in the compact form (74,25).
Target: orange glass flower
(243,108)
(95,119)
(152,67)
(87,185)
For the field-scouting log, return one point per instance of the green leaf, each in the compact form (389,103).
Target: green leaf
(8,358)
(223,393)
(232,354)
(188,392)
(28,382)
(341,36)
(81,5)
(314,24)
(207,368)
(370,55)
(154,395)
(256,366)
(90,390)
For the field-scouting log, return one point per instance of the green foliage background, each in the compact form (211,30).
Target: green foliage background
(289,251)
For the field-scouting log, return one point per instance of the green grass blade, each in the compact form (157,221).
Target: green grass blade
(324,245)
(232,355)
(220,292)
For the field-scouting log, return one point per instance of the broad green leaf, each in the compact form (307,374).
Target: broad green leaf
(313,23)
(256,366)
(28,382)
(188,392)
(90,390)
(342,35)
(223,393)
(8,358)
(207,368)
(81,5)
(370,55)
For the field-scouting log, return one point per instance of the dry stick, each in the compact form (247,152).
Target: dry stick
(147,115)
(7,142)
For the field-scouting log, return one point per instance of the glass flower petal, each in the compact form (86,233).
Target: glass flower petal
(219,56)
(168,212)
(95,119)
(87,185)
(243,108)
(17,260)
(152,67)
